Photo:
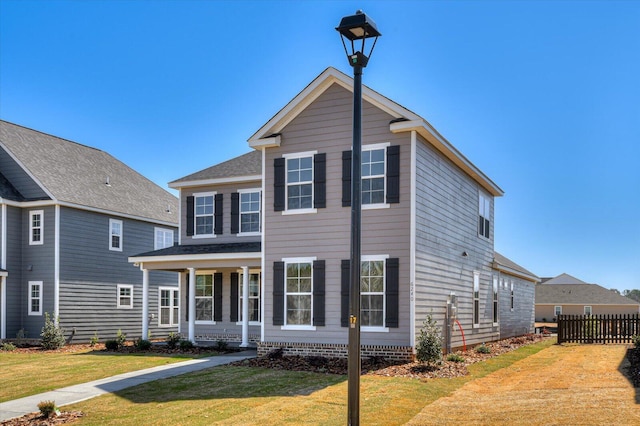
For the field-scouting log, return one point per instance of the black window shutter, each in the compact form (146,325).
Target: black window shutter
(235,212)
(190,215)
(346,178)
(218,214)
(318,292)
(392,292)
(320,181)
(393,174)
(278,293)
(279,183)
(217,296)
(234,296)
(345,276)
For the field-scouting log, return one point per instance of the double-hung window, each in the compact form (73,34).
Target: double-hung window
(373,174)
(204,210)
(557,311)
(299,292)
(300,183)
(204,297)
(125,296)
(163,238)
(495,300)
(254,297)
(249,212)
(169,306)
(587,310)
(476,299)
(484,215)
(115,235)
(35,298)
(36,224)
(372,291)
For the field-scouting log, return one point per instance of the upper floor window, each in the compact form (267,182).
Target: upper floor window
(380,176)
(204,213)
(373,175)
(300,182)
(35,298)
(163,238)
(484,215)
(115,235)
(125,296)
(36,224)
(249,214)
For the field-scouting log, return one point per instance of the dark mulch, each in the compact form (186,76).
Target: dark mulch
(36,419)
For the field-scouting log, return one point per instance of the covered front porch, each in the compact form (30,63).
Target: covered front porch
(220,292)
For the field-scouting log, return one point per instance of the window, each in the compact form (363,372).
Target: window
(476,299)
(169,307)
(163,238)
(36,219)
(372,281)
(35,298)
(373,175)
(254,297)
(587,310)
(204,213)
(380,176)
(115,235)
(204,298)
(557,311)
(300,183)
(495,300)
(250,212)
(512,297)
(484,215)
(298,291)
(125,296)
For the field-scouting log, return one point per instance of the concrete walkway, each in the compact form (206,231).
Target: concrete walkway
(84,391)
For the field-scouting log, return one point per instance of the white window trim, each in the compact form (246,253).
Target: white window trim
(383,328)
(196,195)
(291,156)
(249,191)
(556,310)
(123,286)
(584,310)
(171,324)
(513,297)
(253,271)
(31,285)
(476,288)
(111,222)
(213,297)
(286,261)
(495,301)
(371,147)
(157,230)
(31,227)
(482,197)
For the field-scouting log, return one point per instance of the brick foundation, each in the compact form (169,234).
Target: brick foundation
(395,353)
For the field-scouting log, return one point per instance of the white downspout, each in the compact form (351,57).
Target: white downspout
(192,305)
(145,302)
(245,307)
(263,247)
(412,241)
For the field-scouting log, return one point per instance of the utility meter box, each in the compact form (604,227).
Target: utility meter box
(452,307)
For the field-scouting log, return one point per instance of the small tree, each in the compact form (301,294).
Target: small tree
(52,334)
(429,348)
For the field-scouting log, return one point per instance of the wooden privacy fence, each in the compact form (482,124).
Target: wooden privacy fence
(598,328)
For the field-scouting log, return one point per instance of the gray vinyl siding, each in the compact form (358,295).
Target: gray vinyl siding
(15,307)
(519,320)
(226,190)
(326,127)
(446,226)
(19,178)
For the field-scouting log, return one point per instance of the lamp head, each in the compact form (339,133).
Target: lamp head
(354,28)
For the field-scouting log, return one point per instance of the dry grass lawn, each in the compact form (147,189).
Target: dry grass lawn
(561,385)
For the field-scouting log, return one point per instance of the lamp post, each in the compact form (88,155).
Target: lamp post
(356,28)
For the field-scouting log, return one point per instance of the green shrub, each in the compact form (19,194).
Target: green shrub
(52,334)
(483,349)
(186,345)
(94,340)
(8,347)
(111,345)
(455,358)
(121,338)
(143,344)
(636,340)
(221,346)
(429,347)
(48,408)
(173,339)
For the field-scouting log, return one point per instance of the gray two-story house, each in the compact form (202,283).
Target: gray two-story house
(70,216)
(272,228)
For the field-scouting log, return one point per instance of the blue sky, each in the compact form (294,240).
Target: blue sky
(543,96)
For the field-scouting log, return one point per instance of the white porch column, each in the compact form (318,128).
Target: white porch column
(245,307)
(192,305)
(145,303)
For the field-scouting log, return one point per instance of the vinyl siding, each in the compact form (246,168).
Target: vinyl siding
(446,226)
(326,127)
(520,320)
(19,178)
(14,266)
(546,312)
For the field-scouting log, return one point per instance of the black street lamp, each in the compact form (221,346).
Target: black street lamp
(356,28)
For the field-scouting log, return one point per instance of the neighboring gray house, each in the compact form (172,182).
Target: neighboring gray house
(70,216)
(567,295)
(272,227)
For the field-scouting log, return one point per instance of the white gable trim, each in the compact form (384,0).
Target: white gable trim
(216,181)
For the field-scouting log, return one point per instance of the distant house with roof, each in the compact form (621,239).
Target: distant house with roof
(567,295)
(70,216)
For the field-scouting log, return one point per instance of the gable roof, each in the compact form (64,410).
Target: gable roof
(563,279)
(404,121)
(579,294)
(501,263)
(77,175)
(242,168)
